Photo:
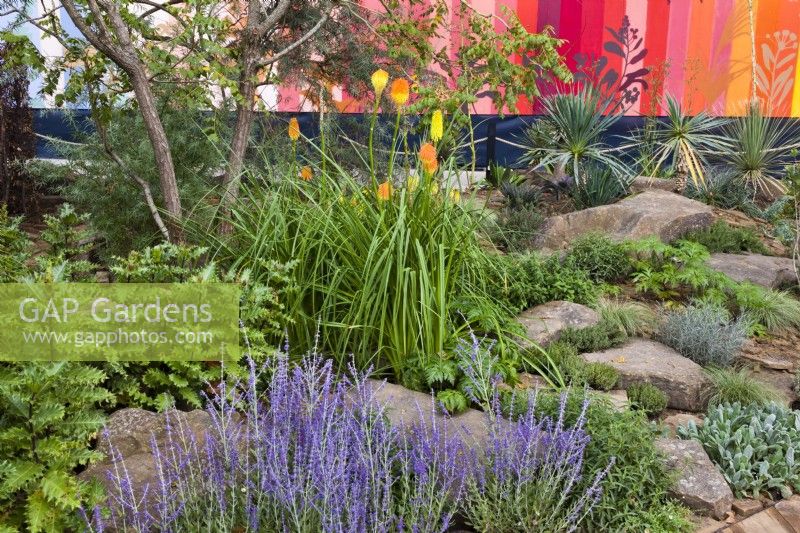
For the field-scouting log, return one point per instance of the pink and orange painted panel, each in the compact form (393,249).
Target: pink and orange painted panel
(702,48)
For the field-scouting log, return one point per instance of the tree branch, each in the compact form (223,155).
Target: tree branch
(308,35)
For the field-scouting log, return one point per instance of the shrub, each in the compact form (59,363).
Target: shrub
(672,271)
(647,397)
(68,239)
(754,447)
(521,196)
(160,385)
(14,247)
(631,318)
(601,336)
(523,281)
(721,237)
(738,386)
(572,132)
(756,153)
(516,229)
(564,358)
(530,480)
(682,140)
(774,310)
(598,186)
(601,257)
(95,184)
(346,470)
(722,189)
(705,334)
(628,437)
(601,376)
(49,415)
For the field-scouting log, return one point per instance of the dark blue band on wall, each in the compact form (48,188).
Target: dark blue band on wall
(509,132)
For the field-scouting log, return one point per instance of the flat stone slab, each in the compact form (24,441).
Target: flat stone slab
(765,270)
(544,323)
(654,212)
(747,507)
(699,484)
(783,517)
(642,360)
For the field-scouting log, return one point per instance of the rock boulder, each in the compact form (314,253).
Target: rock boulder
(764,270)
(651,213)
(698,483)
(641,360)
(544,323)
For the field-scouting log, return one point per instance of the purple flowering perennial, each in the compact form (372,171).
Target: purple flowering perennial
(315,453)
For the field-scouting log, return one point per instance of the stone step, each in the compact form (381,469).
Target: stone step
(784,517)
(642,360)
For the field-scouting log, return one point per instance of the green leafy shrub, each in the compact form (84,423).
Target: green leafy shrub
(774,310)
(672,272)
(601,257)
(523,281)
(598,186)
(49,414)
(95,184)
(754,447)
(647,397)
(679,271)
(739,386)
(263,313)
(721,237)
(516,229)
(601,376)
(567,365)
(14,247)
(632,318)
(705,334)
(564,359)
(628,437)
(68,238)
(601,336)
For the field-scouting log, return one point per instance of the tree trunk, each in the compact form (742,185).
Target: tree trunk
(161,150)
(241,132)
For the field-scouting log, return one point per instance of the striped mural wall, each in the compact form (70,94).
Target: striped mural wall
(701,49)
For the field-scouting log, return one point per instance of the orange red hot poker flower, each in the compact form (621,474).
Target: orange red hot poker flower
(428,158)
(384,191)
(294,129)
(400,91)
